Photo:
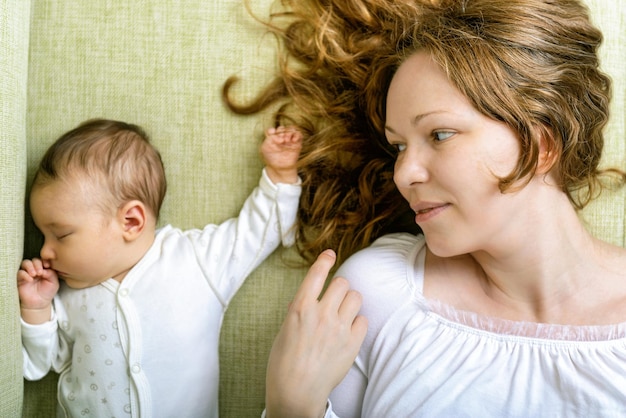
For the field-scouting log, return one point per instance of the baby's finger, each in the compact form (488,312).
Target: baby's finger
(39,265)
(280,131)
(296,135)
(295,140)
(24,276)
(49,274)
(29,267)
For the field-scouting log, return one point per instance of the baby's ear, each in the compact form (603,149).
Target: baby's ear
(133,217)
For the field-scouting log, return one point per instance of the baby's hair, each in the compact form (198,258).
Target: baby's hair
(532,64)
(115,155)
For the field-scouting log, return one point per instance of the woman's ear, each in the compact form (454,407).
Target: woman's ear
(549,150)
(133,218)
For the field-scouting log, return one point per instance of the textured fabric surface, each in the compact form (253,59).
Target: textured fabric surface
(161,64)
(606,216)
(14,21)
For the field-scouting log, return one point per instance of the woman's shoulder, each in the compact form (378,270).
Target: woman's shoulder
(383,274)
(385,266)
(386,251)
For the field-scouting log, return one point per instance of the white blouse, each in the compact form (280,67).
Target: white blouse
(423,358)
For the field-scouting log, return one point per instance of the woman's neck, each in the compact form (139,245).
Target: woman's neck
(555,272)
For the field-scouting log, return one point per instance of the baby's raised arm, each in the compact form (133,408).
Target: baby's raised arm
(36,284)
(280,150)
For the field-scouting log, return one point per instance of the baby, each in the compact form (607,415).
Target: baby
(133,327)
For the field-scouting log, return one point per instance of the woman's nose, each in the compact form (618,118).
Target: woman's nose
(410,168)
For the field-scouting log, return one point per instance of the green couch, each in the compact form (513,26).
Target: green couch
(161,64)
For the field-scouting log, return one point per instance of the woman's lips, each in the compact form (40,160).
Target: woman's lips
(425,212)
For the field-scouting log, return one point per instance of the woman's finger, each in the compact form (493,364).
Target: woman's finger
(313,282)
(350,306)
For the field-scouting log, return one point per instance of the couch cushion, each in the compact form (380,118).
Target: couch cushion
(161,64)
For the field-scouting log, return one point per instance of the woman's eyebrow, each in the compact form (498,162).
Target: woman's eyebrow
(416,119)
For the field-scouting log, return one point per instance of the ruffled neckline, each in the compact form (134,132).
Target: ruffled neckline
(591,333)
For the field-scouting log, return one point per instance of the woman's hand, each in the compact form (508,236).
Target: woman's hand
(315,346)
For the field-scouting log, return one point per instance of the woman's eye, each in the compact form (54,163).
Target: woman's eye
(442,135)
(399,147)
(61,236)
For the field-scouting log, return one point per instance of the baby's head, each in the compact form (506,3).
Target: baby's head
(114,159)
(96,199)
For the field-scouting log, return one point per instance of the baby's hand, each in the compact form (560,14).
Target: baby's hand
(37,284)
(280,150)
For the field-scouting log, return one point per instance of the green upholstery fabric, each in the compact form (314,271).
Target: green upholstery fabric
(161,64)
(606,216)
(14,23)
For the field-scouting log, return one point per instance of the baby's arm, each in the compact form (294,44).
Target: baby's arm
(37,284)
(234,248)
(43,346)
(280,150)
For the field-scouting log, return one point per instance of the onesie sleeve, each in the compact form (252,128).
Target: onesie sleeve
(230,251)
(43,347)
(287,201)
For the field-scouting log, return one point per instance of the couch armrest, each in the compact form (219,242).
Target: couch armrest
(14,34)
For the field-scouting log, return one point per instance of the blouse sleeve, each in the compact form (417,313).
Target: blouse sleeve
(379,273)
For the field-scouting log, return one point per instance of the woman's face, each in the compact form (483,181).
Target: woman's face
(449,159)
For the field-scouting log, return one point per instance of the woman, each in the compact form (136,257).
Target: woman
(504,305)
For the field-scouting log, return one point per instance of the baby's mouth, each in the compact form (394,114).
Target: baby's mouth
(61,274)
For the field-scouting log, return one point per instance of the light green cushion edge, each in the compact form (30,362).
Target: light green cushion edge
(14,23)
